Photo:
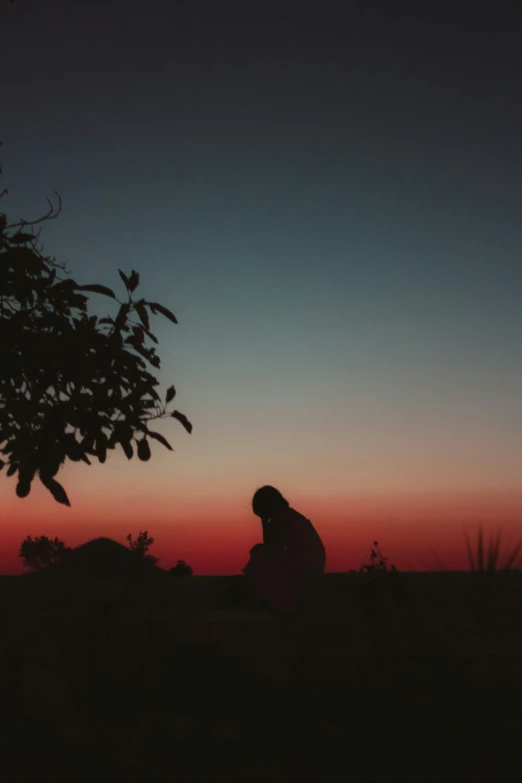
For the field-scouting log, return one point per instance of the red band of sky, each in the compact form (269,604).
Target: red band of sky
(415,531)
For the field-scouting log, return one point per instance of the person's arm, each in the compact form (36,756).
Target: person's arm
(271,532)
(266,531)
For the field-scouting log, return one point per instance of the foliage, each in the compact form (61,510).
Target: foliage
(181,569)
(42,552)
(140,546)
(486,566)
(489,561)
(384,580)
(71,386)
(378,563)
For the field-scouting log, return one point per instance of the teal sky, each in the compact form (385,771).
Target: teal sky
(329,200)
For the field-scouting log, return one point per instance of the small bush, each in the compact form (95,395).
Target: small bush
(181,569)
(42,552)
(378,563)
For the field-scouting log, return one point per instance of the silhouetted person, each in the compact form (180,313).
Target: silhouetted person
(291,554)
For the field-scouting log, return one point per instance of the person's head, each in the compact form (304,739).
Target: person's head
(267,501)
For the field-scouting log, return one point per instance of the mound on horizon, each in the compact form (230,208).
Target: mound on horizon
(101,557)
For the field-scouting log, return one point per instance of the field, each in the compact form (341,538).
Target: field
(406,676)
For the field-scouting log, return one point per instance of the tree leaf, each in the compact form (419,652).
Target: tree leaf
(144,318)
(149,334)
(79,301)
(182,419)
(163,310)
(161,439)
(143,450)
(68,285)
(23,488)
(101,449)
(122,315)
(116,341)
(73,448)
(56,490)
(138,334)
(124,278)
(147,404)
(171,392)
(96,289)
(127,448)
(134,281)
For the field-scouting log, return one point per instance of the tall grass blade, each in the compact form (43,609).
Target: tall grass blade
(494,548)
(480,551)
(511,559)
(470,554)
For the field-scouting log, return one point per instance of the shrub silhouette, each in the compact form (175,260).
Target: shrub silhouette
(378,563)
(181,569)
(42,552)
(487,565)
(140,546)
(72,385)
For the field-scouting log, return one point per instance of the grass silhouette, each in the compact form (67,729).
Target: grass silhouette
(487,559)
(490,571)
(130,682)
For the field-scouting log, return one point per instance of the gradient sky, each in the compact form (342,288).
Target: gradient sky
(329,199)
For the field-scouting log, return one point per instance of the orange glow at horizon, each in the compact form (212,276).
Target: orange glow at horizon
(416,531)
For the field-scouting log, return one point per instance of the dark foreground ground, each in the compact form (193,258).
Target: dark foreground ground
(417,678)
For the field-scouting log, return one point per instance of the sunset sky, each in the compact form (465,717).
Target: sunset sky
(331,204)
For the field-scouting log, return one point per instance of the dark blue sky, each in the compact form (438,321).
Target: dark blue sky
(328,199)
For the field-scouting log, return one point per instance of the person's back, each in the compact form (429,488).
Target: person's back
(300,538)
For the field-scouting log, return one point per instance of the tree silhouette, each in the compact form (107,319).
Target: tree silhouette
(71,385)
(140,546)
(42,552)
(181,569)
